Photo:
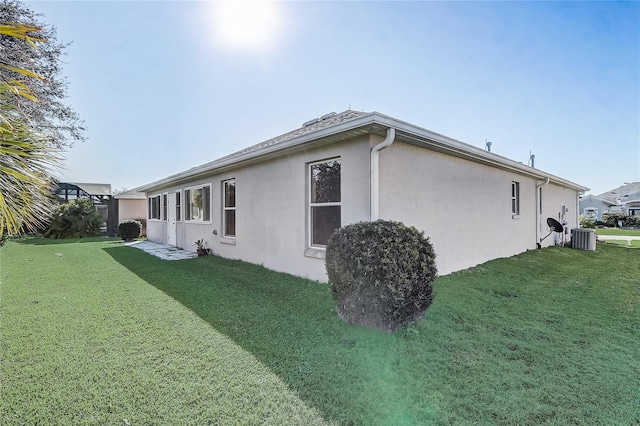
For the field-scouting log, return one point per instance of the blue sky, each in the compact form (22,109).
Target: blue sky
(161,89)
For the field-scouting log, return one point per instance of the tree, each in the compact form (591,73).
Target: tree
(26,156)
(56,121)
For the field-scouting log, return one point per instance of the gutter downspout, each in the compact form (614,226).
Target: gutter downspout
(538,212)
(375,173)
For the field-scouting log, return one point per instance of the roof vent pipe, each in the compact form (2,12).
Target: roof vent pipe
(487,145)
(375,172)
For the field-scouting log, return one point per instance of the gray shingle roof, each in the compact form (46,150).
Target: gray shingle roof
(330,120)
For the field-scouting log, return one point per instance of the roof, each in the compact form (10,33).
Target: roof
(630,191)
(596,198)
(131,194)
(333,128)
(103,189)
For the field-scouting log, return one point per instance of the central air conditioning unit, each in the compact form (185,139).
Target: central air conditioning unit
(583,239)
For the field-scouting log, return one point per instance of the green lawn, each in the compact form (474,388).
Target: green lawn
(617,231)
(105,333)
(626,243)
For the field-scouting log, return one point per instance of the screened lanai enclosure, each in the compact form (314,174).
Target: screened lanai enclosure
(100,196)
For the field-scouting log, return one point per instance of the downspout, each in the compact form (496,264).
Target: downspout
(375,173)
(538,212)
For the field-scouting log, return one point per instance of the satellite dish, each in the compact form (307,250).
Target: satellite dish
(555,225)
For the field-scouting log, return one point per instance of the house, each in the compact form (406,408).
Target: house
(594,207)
(100,196)
(277,202)
(131,205)
(624,199)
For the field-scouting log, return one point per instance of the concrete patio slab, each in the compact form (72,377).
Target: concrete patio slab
(163,251)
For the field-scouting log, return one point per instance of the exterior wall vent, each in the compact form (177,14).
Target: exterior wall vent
(324,117)
(583,239)
(310,122)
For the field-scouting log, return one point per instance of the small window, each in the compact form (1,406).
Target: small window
(178,206)
(154,207)
(229,208)
(198,202)
(515,198)
(164,206)
(324,201)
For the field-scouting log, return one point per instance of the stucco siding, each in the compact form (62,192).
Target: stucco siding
(553,198)
(131,209)
(464,207)
(272,208)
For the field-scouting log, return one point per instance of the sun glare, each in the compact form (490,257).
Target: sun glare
(246,24)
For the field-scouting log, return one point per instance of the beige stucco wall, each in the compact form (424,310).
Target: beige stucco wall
(462,206)
(131,209)
(271,209)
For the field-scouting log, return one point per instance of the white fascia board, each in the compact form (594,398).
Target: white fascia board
(253,155)
(470,152)
(426,138)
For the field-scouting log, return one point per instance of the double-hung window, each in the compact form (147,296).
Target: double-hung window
(324,201)
(154,207)
(515,198)
(229,208)
(198,204)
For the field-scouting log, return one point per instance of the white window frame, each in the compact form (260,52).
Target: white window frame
(178,200)
(225,209)
(310,205)
(187,204)
(150,206)
(515,199)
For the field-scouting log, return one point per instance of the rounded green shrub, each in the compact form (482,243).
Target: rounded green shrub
(381,273)
(75,219)
(129,229)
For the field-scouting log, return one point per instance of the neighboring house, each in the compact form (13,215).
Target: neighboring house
(131,205)
(591,203)
(624,199)
(276,203)
(100,196)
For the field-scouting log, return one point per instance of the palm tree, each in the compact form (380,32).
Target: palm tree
(26,160)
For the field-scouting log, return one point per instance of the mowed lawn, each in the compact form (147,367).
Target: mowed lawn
(93,332)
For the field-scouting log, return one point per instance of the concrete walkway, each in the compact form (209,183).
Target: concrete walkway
(163,251)
(619,237)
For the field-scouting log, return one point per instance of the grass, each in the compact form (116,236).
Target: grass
(547,337)
(625,243)
(86,341)
(617,231)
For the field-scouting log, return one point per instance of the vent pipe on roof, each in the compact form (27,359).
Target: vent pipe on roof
(487,145)
(375,172)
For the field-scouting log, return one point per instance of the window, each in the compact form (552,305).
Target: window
(178,206)
(229,208)
(324,201)
(198,202)
(154,207)
(515,198)
(164,206)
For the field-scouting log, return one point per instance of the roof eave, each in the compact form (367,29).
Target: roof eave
(373,123)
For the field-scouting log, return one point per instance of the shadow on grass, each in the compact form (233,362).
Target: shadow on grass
(40,241)
(289,324)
